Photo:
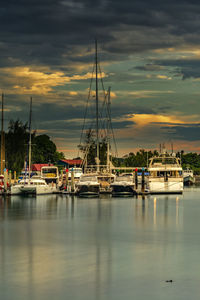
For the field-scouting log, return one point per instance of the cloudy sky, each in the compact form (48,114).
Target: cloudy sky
(149,52)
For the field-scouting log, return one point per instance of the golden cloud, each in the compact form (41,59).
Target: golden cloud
(142,120)
(163,77)
(73,93)
(38,82)
(147,93)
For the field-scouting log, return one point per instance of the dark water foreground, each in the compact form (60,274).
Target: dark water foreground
(54,247)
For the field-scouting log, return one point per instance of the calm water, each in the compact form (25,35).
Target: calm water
(56,247)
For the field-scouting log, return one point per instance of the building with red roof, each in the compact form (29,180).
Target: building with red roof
(37,167)
(69,163)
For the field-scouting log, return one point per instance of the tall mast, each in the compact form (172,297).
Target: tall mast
(29,150)
(2,136)
(97,107)
(108,132)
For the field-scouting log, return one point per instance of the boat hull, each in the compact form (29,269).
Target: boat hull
(88,191)
(169,187)
(31,190)
(121,190)
(188,180)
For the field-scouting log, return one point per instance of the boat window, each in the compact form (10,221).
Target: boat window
(49,172)
(165,161)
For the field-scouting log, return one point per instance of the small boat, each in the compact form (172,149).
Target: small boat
(123,185)
(76,171)
(50,174)
(188,177)
(88,186)
(35,185)
(2,184)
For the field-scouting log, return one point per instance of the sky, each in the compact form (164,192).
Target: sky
(149,53)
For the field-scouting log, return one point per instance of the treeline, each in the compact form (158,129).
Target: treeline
(16,147)
(191,160)
(138,159)
(141,158)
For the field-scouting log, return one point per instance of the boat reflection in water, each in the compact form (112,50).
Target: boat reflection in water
(161,211)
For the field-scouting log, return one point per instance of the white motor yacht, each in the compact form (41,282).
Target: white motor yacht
(165,175)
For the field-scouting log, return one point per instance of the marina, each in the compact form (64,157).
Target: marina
(100,150)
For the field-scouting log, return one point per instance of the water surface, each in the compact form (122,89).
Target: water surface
(58,247)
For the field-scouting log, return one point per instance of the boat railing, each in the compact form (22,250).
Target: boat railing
(166,174)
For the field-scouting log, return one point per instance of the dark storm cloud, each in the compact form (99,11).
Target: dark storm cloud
(42,31)
(67,119)
(190,132)
(149,67)
(183,67)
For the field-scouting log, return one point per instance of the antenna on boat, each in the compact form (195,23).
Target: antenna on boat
(172,148)
(29,151)
(2,136)
(160,148)
(97,107)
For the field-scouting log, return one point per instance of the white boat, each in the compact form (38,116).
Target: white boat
(2,190)
(35,185)
(166,175)
(76,171)
(50,174)
(123,185)
(188,177)
(88,185)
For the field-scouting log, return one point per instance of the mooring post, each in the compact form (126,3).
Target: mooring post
(136,178)
(15,177)
(61,176)
(143,181)
(72,181)
(5,180)
(10,178)
(67,177)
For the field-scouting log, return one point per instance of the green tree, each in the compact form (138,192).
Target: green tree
(44,150)
(89,148)
(17,139)
(16,145)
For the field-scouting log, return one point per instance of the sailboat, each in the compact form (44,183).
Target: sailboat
(35,184)
(102,173)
